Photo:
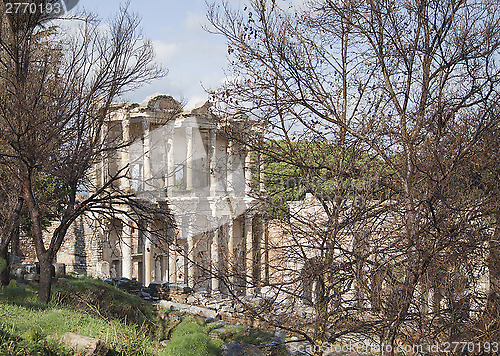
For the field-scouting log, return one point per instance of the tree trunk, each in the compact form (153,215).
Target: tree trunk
(45,279)
(320,333)
(494,271)
(11,229)
(15,244)
(44,257)
(387,342)
(5,273)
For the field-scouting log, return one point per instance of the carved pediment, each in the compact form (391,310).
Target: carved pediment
(163,102)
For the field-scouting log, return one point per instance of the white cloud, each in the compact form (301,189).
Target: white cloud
(194,22)
(166,52)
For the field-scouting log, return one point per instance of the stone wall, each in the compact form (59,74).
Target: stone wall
(26,248)
(82,248)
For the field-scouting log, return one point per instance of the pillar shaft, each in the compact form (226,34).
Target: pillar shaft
(189,158)
(214,254)
(264,256)
(126,245)
(213,161)
(314,295)
(262,185)
(157,275)
(164,268)
(190,253)
(170,160)
(125,156)
(230,250)
(101,169)
(249,251)
(229,166)
(147,263)
(172,264)
(248,173)
(147,155)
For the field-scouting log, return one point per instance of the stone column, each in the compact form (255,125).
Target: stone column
(125,156)
(190,252)
(189,158)
(164,268)
(147,255)
(214,254)
(170,160)
(230,251)
(229,166)
(172,263)
(264,253)
(126,245)
(103,169)
(248,172)
(262,177)
(314,292)
(249,251)
(213,161)
(158,263)
(147,155)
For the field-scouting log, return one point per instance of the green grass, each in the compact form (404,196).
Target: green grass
(88,307)
(190,338)
(30,343)
(249,336)
(108,302)
(94,308)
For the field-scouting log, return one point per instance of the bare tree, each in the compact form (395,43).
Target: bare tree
(411,88)
(12,204)
(60,85)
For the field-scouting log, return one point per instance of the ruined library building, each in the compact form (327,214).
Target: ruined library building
(181,160)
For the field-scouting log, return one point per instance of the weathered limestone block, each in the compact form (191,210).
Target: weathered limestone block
(85,345)
(191,309)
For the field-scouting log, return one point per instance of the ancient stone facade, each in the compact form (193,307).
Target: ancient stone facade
(294,271)
(181,159)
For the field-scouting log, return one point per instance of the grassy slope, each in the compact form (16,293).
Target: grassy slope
(87,307)
(94,308)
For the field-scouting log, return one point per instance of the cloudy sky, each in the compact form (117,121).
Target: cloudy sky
(195,58)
